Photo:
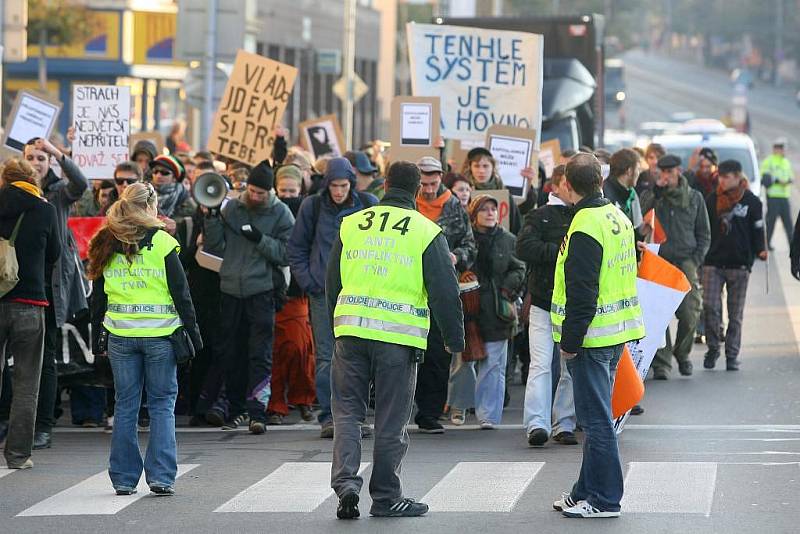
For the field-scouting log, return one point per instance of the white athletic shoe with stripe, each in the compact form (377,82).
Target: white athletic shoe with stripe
(585,510)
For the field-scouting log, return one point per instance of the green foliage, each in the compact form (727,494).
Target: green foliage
(64,21)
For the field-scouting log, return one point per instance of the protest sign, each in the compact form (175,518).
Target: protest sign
(154,137)
(252,105)
(550,156)
(483,77)
(101,115)
(322,136)
(661,288)
(32,115)
(84,229)
(513,150)
(415,127)
(503,197)
(457,155)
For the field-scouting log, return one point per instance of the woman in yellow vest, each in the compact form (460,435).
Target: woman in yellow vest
(141,298)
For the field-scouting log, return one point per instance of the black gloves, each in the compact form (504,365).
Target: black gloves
(253,234)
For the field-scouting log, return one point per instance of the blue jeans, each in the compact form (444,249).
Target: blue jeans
(148,362)
(491,384)
(323,352)
(541,408)
(600,481)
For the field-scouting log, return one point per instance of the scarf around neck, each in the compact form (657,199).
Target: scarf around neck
(170,196)
(432,209)
(495,182)
(28,188)
(677,196)
(726,200)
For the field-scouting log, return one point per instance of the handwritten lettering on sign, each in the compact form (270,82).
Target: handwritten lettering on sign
(483,77)
(252,105)
(101,117)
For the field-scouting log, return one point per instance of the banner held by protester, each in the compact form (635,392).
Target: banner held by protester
(483,77)
(252,105)
(101,115)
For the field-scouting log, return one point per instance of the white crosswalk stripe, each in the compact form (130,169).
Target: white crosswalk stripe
(482,487)
(293,487)
(670,487)
(4,471)
(93,496)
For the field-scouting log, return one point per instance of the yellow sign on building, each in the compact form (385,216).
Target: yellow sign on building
(154,38)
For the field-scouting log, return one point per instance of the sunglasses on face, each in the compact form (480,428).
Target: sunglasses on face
(162,172)
(126,181)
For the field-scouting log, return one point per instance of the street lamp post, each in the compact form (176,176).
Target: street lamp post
(349,53)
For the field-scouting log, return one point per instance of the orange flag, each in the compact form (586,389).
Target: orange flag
(628,386)
(658,236)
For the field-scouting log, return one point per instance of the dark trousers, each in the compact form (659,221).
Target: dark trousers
(432,377)
(600,480)
(22,334)
(251,319)
(688,314)
(87,404)
(735,281)
(48,385)
(779,208)
(393,371)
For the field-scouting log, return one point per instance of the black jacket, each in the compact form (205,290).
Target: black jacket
(738,237)
(38,245)
(537,245)
(582,280)
(437,270)
(178,289)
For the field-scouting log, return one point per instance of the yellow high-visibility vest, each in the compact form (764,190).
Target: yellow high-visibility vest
(383,295)
(139,301)
(618,318)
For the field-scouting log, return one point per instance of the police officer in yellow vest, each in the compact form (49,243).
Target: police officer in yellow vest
(777,176)
(389,272)
(595,311)
(141,297)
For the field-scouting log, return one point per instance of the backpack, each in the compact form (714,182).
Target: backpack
(9,267)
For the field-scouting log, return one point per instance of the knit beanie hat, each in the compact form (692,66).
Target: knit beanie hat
(477,203)
(289,172)
(262,176)
(171,163)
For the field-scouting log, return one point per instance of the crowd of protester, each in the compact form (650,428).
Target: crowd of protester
(267,337)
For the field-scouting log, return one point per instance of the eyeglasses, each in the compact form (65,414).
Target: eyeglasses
(126,181)
(162,172)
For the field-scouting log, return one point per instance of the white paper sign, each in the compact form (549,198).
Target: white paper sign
(512,155)
(415,127)
(34,117)
(483,77)
(101,116)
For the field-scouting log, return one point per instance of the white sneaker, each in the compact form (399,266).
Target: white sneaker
(564,502)
(457,417)
(585,510)
(486,425)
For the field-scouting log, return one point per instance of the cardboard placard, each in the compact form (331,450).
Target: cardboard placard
(483,76)
(513,149)
(154,137)
(32,115)
(101,115)
(415,127)
(550,156)
(458,155)
(503,197)
(322,136)
(253,104)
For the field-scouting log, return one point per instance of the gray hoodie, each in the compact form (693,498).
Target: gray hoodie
(247,266)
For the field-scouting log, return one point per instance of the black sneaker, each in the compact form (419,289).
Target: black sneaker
(685,368)
(348,506)
(732,365)
(565,438)
(401,508)
(710,360)
(326,432)
(162,491)
(637,410)
(537,437)
(660,374)
(430,426)
(236,422)
(215,417)
(305,413)
(125,491)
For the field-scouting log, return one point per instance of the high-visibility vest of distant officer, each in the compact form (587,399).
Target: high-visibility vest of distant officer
(779,168)
(383,295)
(618,318)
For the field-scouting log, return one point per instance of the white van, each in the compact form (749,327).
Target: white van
(727,145)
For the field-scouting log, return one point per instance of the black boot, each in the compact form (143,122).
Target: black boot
(42,440)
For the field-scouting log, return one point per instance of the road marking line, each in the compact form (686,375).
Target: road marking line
(482,487)
(293,487)
(93,496)
(6,471)
(670,487)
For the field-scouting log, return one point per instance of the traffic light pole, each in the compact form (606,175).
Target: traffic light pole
(349,59)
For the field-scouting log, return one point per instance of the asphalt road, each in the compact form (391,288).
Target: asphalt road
(716,452)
